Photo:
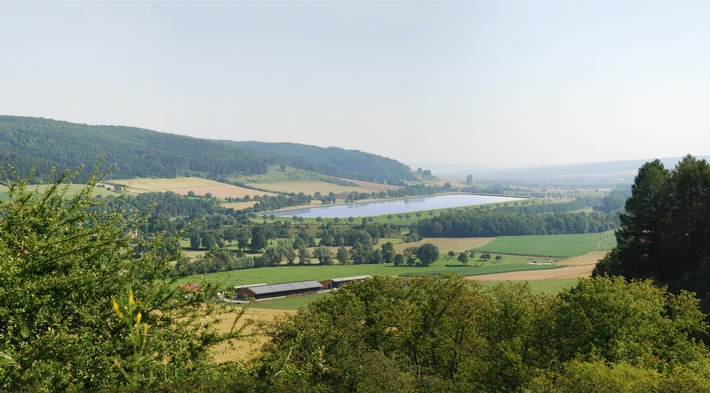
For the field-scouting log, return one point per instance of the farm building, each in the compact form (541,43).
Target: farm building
(336,283)
(260,292)
(238,287)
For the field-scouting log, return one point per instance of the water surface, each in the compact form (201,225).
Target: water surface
(394,206)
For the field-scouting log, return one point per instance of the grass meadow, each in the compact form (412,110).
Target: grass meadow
(73,189)
(551,245)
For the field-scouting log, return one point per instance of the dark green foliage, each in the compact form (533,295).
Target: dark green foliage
(500,223)
(27,143)
(388,253)
(664,231)
(446,334)
(324,256)
(428,253)
(577,204)
(614,201)
(138,152)
(81,310)
(463,257)
(342,255)
(216,260)
(335,161)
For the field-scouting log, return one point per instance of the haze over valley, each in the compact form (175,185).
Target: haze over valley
(378,196)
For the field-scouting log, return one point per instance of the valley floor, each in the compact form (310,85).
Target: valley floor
(577,267)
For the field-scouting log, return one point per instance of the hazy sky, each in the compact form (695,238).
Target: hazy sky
(494,83)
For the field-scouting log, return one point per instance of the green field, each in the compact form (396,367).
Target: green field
(551,245)
(73,189)
(281,274)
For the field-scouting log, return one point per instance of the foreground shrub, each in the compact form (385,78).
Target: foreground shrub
(79,310)
(448,334)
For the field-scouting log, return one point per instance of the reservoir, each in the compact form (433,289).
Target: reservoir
(394,206)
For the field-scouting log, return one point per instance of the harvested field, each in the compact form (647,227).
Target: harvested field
(577,267)
(307,187)
(243,349)
(446,244)
(183,185)
(376,187)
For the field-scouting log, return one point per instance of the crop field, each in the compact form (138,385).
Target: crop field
(307,187)
(183,185)
(376,187)
(550,245)
(608,241)
(73,189)
(445,244)
(253,339)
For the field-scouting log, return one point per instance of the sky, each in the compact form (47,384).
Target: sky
(476,83)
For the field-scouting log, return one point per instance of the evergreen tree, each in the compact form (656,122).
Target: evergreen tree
(664,233)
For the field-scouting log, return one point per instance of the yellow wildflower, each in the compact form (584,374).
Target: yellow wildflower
(116,309)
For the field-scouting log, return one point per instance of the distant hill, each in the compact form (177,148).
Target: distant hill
(27,142)
(599,172)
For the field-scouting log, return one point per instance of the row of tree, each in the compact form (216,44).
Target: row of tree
(495,223)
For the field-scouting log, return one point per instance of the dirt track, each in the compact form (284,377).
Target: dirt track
(576,267)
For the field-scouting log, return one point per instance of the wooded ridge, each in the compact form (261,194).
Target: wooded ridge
(28,142)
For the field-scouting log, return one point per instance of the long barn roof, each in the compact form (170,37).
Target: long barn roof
(286,287)
(350,278)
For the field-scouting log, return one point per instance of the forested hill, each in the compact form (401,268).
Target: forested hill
(27,142)
(336,161)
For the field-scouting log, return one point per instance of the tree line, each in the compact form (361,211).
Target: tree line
(484,223)
(664,233)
